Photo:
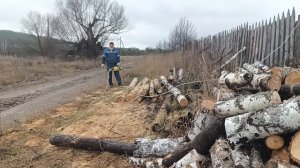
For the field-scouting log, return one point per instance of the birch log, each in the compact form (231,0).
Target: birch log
(244,104)
(202,142)
(224,94)
(252,68)
(181,99)
(158,124)
(281,154)
(122,96)
(220,154)
(279,164)
(93,144)
(157,86)
(241,157)
(134,93)
(294,148)
(180,74)
(143,92)
(288,91)
(261,66)
(235,80)
(152,92)
(174,73)
(156,148)
(265,82)
(146,162)
(192,157)
(273,120)
(256,160)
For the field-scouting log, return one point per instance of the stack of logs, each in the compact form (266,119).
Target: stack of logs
(254,123)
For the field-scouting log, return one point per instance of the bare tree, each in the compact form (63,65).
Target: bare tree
(183,32)
(34,24)
(89,23)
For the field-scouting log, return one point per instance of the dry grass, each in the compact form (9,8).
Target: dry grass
(197,67)
(20,71)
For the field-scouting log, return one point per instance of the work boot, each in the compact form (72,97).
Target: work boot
(119,84)
(111,86)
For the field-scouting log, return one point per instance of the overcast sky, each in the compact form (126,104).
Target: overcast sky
(152,20)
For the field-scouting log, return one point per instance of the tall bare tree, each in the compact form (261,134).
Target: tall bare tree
(89,23)
(34,24)
(183,32)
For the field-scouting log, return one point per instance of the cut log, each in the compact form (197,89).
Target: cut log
(207,104)
(146,162)
(143,92)
(156,148)
(224,94)
(261,66)
(281,72)
(122,97)
(152,92)
(265,82)
(220,154)
(133,83)
(256,160)
(221,80)
(171,78)
(241,157)
(288,91)
(281,154)
(269,121)
(252,68)
(188,159)
(202,142)
(294,148)
(157,86)
(292,77)
(235,80)
(180,74)
(93,144)
(181,99)
(279,164)
(159,122)
(135,92)
(244,104)
(274,142)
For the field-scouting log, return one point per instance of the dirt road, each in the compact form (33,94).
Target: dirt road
(20,104)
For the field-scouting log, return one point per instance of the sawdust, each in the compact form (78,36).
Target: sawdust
(93,115)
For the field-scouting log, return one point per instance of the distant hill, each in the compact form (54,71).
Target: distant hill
(17,43)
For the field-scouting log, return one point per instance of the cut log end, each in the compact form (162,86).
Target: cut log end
(274,83)
(294,148)
(274,142)
(183,101)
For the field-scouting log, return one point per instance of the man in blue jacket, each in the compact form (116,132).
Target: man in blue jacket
(111,57)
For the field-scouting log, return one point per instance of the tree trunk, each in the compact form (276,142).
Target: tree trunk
(292,77)
(202,142)
(288,91)
(224,94)
(279,164)
(174,73)
(241,157)
(159,122)
(265,82)
(122,96)
(157,86)
(152,92)
(252,69)
(93,144)
(220,154)
(143,92)
(134,93)
(273,120)
(274,142)
(133,83)
(294,148)
(281,72)
(156,148)
(244,104)
(256,160)
(181,99)
(188,159)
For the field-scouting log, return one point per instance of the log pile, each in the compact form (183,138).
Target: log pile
(252,122)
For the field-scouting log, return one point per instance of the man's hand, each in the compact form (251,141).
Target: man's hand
(102,65)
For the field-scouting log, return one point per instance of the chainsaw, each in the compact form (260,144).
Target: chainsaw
(118,68)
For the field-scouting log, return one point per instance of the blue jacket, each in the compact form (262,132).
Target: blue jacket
(111,57)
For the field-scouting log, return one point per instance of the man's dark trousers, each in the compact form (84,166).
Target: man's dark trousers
(118,78)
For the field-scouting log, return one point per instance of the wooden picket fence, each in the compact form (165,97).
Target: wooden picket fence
(272,41)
